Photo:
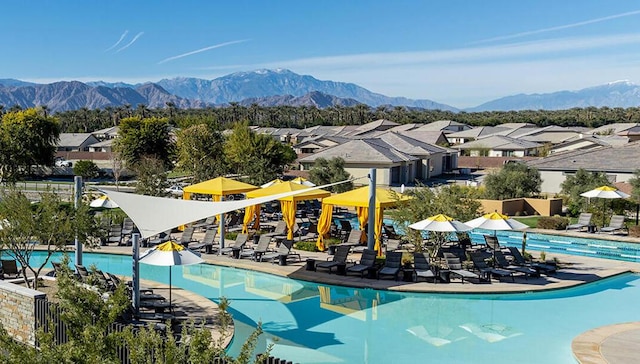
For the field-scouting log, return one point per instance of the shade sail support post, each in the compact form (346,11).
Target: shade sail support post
(221,221)
(135,277)
(372,209)
(77,196)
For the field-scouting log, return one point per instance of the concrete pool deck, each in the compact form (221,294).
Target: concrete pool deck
(618,343)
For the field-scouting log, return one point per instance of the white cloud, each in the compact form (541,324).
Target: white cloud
(130,43)
(201,50)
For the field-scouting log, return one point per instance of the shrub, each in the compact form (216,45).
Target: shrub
(553,222)
(308,246)
(634,230)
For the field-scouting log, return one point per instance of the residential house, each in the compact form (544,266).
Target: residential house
(75,142)
(587,142)
(475,133)
(499,146)
(445,126)
(618,162)
(107,133)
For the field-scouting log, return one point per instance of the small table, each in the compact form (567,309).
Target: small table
(591,228)
(282,260)
(341,269)
(407,274)
(444,275)
(372,272)
(311,264)
(236,252)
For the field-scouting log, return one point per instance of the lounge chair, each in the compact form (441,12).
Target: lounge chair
(540,267)
(616,224)
(353,238)
(487,333)
(187,236)
(454,266)
(486,271)
(583,221)
(127,226)
(115,234)
(207,242)
(367,262)
(421,267)
(391,265)
(492,243)
(10,269)
(503,263)
(283,252)
(207,224)
(241,240)
(83,272)
(279,231)
(339,258)
(158,239)
(260,249)
(422,333)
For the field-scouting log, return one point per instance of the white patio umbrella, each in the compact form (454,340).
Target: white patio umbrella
(169,254)
(103,202)
(604,192)
(496,221)
(440,222)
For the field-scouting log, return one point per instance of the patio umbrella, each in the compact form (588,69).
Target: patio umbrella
(103,202)
(440,222)
(169,254)
(496,221)
(604,192)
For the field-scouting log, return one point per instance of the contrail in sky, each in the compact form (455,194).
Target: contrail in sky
(201,50)
(560,27)
(130,43)
(118,42)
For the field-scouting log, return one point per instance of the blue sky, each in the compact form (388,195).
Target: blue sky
(461,53)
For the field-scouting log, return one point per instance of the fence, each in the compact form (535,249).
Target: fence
(48,317)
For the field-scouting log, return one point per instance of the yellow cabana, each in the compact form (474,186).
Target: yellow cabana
(303,181)
(358,198)
(273,182)
(288,204)
(217,187)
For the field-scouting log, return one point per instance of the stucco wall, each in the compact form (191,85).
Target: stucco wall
(523,206)
(17,311)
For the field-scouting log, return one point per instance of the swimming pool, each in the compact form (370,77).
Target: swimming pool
(590,247)
(331,324)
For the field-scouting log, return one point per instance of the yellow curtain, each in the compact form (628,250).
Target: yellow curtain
(363,216)
(378,230)
(289,216)
(256,224)
(186,195)
(324,225)
(249,214)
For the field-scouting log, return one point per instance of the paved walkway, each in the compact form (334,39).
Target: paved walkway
(609,344)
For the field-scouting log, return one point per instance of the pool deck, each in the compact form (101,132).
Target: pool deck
(618,343)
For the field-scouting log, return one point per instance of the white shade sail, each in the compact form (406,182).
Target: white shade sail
(153,215)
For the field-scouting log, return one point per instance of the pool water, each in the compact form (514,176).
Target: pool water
(311,323)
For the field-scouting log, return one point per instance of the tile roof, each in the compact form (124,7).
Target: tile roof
(623,158)
(499,142)
(370,151)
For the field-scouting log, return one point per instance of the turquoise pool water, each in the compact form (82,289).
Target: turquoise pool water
(330,324)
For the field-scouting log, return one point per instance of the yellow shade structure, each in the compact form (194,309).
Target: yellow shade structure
(288,204)
(217,187)
(358,198)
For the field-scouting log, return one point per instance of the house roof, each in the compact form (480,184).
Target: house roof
(73,139)
(410,145)
(369,151)
(431,137)
(499,142)
(105,143)
(378,125)
(605,159)
(616,128)
(478,132)
(439,125)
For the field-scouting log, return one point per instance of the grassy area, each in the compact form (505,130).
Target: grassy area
(531,221)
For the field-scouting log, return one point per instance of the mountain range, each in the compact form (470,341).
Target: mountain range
(280,87)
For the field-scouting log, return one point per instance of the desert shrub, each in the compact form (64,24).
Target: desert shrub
(308,246)
(553,222)
(634,230)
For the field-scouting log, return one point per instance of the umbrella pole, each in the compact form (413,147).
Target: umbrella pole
(170,305)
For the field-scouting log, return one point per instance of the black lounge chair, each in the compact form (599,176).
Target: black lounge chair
(10,269)
(421,267)
(339,258)
(391,266)
(115,234)
(367,262)
(540,267)
(454,266)
(503,263)
(486,271)
(616,224)
(583,221)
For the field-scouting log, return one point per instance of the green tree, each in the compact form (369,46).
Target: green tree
(257,157)
(329,171)
(27,138)
(139,138)
(152,177)
(514,180)
(635,185)
(458,202)
(581,182)
(50,223)
(86,169)
(201,152)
